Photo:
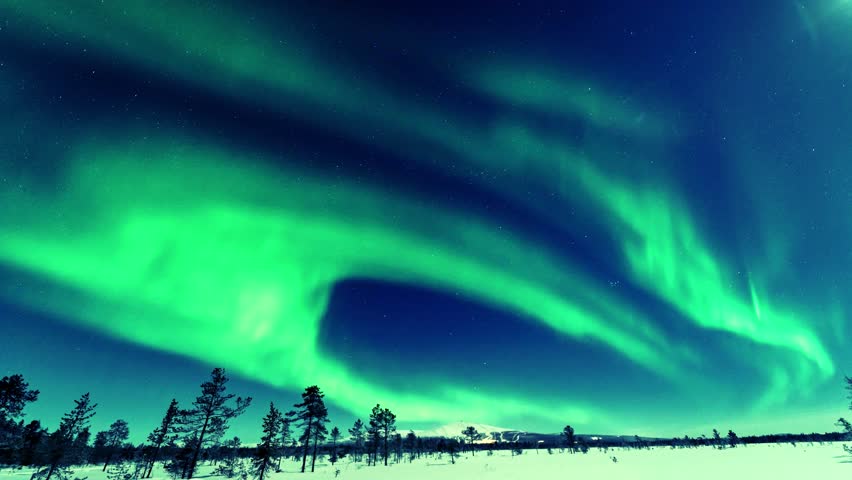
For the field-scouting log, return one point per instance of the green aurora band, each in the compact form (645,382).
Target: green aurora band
(662,249)
(179,248)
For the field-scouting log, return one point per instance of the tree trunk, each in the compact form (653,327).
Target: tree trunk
(386,448)
(307,443)
(194,461)
(50,472)
(106,462)
(153,460)
(314,454)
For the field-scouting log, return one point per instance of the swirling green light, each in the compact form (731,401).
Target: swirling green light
(182,248)
(662,248)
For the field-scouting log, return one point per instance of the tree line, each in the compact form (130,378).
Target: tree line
(186,437)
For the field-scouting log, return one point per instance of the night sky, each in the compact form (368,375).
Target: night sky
(632,219)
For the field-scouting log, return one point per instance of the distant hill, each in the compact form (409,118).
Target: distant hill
(492,434)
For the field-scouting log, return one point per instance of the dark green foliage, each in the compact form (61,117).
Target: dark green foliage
(568,438)
(229,460)
(15,394)
(165,433)
(269,444)
(382,426)
(358,436)
(410,445)
(59,448)
(208,420)
(112,439)
(312,416)
(471,435)
(335,436)
(733,440)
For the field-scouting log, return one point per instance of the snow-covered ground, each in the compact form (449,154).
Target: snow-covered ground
(825,462)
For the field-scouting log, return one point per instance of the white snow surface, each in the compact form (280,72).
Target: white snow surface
(776,462)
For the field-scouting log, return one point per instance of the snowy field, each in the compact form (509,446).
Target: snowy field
(774,462)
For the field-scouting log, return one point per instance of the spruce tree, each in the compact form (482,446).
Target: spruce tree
(269,444)
(167,430)
(312,415)
(208,420)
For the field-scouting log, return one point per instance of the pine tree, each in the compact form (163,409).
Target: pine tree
(312,415)
(79,453)
(452,450)
(15,394)
(411,445)
(167,429)
(284,440)
(269,442)
(228,459)
(382,426)
(60,443)
(717,439)
(568,434)
(335,436)
(208,420)
(471,435)
(732,439)
(117,434)
(356,433)
(31,439)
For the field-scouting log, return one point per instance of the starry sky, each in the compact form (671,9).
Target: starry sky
(632,219)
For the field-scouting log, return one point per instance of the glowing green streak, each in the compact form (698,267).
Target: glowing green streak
(559,93)
(660,244)
(754,300)
(664,253)
(175,248)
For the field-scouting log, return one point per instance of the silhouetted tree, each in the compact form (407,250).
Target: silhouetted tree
(568,437)
(283,440)
(717,439)
(383,423)
(229,461)
(31,439)
(397,447)
(15,394)
(166,431)
(411,445)
(113,438)
(356,433)
(79,453)
(312,415)
(732,439)
(335,436)
(452,448)
(269,442)
(61,442)
(471,435)
(208,419)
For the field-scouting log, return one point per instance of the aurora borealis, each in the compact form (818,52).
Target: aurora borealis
(522,216)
